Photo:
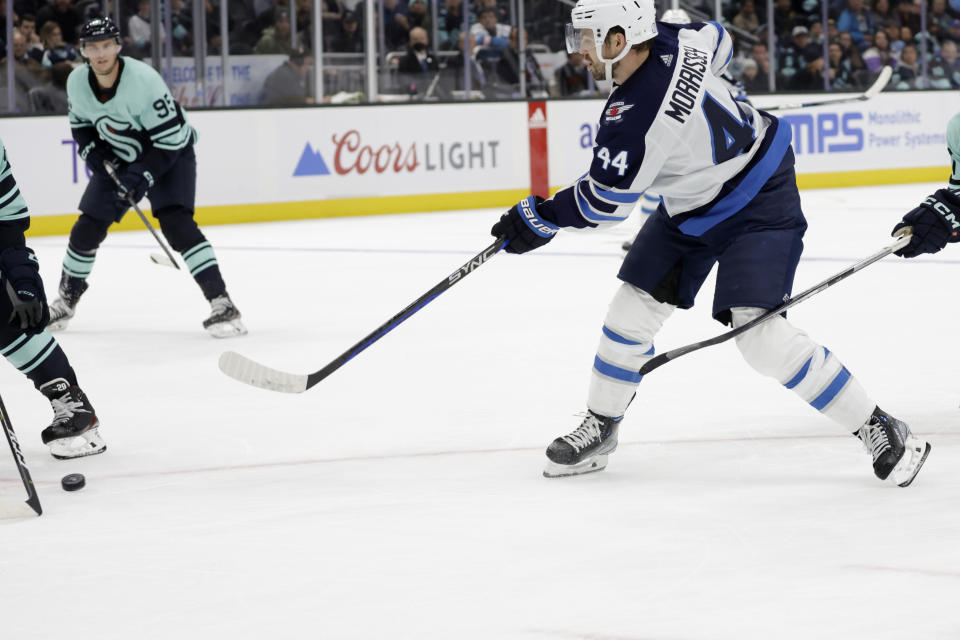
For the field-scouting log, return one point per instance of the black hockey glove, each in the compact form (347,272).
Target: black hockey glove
(935,223)
(95,155)
(523,228)
(24,287)
(134,182)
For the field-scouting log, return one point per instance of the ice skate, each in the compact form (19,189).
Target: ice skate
(74,430)
(63,308)
(224,320)
(585,449)
(897,453)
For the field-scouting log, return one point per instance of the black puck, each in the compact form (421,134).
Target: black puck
(73,482)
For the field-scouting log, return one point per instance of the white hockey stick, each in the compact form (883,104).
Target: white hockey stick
(879,85)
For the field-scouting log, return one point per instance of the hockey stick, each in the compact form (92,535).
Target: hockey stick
(166,260)
(253,373)
(32,504)
(879,85)
(664,358)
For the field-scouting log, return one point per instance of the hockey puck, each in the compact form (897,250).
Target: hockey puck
(73,482)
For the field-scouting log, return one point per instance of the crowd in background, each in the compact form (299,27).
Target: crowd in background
(861,37)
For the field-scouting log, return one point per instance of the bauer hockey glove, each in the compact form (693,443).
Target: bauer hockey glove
(935,223)
(25,289)
(135,181)
(523,227)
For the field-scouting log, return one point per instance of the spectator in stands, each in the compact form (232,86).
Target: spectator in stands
(55,49)
(747,18)
(28,27)
(858,21)
(332,15)
(953,32)
(816,34)
(751,77)
(508,68)
(938,20)
(350,39)
(488,32)
(909,15)
(288,83)
(758,53)
(809,77)
(417,69)
(24,64)
(396,25)
(417,15)
(452,76)
(850,51)
(795,56)
(884,12)
(880,54)
(450,21)
(784,17)
(841,70)
(573,78)
(64,15)
(52,97)
(945,70)
(139,31)
(907,71)
(502,16)
(276,39)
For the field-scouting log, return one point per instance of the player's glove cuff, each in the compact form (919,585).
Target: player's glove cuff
(523,227)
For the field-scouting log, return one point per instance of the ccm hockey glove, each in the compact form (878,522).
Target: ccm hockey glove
(134,182)
(523,227)
(23,285)
(935,223)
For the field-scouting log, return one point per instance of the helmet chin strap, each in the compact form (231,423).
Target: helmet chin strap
(608,64)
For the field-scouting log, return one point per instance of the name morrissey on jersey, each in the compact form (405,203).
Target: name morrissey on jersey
(688,83)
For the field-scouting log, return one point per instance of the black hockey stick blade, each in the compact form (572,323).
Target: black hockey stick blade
(878,85)
(665,357)
(32,504)
(255,374)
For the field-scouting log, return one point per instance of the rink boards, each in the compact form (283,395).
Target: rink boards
(282,164)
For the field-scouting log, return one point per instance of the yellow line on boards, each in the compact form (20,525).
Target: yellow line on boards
(274,211)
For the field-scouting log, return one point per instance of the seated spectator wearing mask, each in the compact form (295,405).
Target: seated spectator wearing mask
(416,69)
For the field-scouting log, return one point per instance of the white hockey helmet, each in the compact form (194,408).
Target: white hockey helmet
(593,19)
(676,16)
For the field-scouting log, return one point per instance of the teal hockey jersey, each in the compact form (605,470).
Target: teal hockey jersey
(137,120)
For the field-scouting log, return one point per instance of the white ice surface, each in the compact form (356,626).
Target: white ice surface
(402,496)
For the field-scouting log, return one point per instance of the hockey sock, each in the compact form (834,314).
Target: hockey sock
(78,263)
(38,356)
(626,343)
(184,235)
(85,238)
(779,350)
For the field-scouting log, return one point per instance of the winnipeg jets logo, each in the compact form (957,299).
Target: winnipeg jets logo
(667,59)
(614,113)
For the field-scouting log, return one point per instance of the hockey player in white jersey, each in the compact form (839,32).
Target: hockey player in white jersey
(650,200)
(725,173)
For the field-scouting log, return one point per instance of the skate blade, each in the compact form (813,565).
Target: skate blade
(911,462)
(590,465)
(229,329)
(88,443)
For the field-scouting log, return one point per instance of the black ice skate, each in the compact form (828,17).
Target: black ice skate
(585,449)
(63,308)
(224,320)
(897,453)
(74,430)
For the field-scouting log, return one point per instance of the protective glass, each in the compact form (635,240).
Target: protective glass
(577,39)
